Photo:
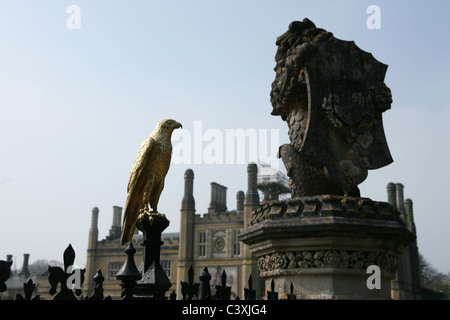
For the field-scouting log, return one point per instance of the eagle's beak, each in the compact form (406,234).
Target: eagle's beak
(178,125)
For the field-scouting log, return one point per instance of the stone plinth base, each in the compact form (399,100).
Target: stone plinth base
(328,284)
(323,245)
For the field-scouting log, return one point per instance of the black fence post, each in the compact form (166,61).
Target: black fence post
(28,290)
(223,292)
(291,295)
(56,275)
(5,272)
(97,292)
(189,289)
(128,274)
(154,282)
(250,294)
(272,295)
(205,289)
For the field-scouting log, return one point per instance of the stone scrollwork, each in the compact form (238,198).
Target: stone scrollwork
(327,206)
(387,261)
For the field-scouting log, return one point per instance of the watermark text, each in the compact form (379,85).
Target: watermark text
(231,146)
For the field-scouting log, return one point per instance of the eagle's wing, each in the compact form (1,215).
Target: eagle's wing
(134,198)
(140,161)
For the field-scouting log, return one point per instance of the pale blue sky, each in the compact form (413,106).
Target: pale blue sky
(76,104)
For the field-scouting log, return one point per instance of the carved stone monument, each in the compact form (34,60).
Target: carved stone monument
(322,241)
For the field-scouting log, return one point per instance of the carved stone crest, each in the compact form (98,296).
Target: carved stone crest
(332,95)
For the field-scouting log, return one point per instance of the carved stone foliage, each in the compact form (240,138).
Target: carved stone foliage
(387,261)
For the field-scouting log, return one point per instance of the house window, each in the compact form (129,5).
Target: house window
(202,244)
(113,268)
(167,267)
(236,243)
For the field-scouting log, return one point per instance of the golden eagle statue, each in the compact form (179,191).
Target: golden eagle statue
(147,176)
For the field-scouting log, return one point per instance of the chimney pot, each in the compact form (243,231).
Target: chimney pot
(252,196)
(188,201)
(400,199)
(240,196)
(392,198)
(25,272)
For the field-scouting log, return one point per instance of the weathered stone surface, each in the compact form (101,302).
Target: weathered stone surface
(332,95)
(321,216)
(324,245)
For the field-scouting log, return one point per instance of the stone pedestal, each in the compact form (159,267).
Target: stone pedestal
(323,245)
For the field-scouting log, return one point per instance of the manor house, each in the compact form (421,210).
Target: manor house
(208,240)
(211,240)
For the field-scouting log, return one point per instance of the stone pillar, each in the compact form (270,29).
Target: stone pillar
(224,198)
(391,194)
(218,197)
(413,251)
(117,216)
(406,285)
(93,231)
(240,196)
(214,196)
(252,195)
(188,202)
(186,251)
(251,203)
(218,201)
(25,271)
(323,245)
(400,200)
(116,228)
(91,254)
(410,216)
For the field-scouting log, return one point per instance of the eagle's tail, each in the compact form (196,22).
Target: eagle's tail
(129,221)
(127,233)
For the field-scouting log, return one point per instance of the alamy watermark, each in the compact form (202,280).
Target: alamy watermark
(74,280)
(374,280)
(229,146)
(74,19)
(374,20)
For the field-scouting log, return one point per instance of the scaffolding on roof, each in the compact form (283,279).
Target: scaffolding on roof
(273,183)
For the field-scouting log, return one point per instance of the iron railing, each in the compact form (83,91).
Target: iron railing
(128,276)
